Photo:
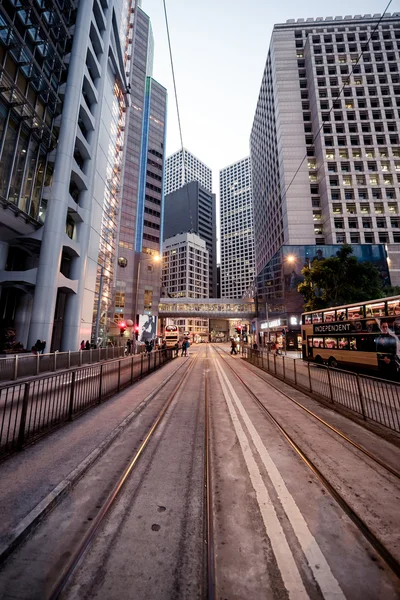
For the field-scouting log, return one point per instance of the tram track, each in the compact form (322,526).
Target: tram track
(335,430)
(78,552)
(387,556)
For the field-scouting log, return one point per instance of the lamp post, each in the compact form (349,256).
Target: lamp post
(96,331)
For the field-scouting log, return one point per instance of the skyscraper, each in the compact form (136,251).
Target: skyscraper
(237,233)
(183,167)
(185,270)
(62,120)
(137,285)
(192,209)
(326,162)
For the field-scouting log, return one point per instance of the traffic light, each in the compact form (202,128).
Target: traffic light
(122,328)
(238,329)
(136,331)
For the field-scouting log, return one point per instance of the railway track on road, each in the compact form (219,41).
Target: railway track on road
(389,558)
(56,574)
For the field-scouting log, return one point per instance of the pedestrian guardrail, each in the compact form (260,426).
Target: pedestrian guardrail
(30,409)
(376,400)
(29,365)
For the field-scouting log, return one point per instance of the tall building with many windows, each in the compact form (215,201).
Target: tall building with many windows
(325,142)
(183,167)
(62,118)
(237,232)
(137,286)
(192,209)
(185,271)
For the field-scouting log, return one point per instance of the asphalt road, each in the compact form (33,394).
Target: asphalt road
(278,533)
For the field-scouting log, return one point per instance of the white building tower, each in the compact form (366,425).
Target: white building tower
(184,167)
(237,235)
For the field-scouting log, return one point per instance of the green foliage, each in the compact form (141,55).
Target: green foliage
(340,280)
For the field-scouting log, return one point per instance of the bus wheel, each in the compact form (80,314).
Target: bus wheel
(318,360)
(332,362)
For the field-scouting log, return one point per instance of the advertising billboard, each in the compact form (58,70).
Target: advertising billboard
(147,328)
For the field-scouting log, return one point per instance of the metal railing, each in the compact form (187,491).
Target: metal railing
(29,365)
(376,400)
(32,408)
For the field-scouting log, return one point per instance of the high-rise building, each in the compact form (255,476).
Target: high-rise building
(183,167)
(62,117)
(137,286)
(185,270)
(192,209)
(326,162)
(237,234)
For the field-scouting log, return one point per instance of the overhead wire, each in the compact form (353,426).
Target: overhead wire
(177,111)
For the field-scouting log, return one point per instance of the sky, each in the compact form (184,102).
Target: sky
(219,51)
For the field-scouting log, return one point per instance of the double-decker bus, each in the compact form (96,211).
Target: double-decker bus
(366,334)
(171,335)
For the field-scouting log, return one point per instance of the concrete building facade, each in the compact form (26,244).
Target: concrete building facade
(185,271)
(326,160)
(193,209)
(237,231)
(61,156)
(183,167)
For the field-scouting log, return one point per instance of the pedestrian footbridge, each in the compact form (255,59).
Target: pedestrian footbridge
(207,308)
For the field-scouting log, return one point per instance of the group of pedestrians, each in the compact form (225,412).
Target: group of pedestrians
(85,346)
(184,347)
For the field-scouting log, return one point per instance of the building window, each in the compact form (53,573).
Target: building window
(148,299)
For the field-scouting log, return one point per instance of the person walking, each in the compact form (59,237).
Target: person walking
(87,345)
(233,346)
(185,344)
(176,347)
(82,345)
(128,346)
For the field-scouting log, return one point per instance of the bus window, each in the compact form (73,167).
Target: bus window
(318,342)
(353,343)
(341,314)
(317,318)
(375,310)
(310,341)
(355,312)
(394,308)
(307,319)
(329,316)
(366,343)
(343,344)
(330,343)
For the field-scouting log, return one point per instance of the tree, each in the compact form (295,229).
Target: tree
(338,280)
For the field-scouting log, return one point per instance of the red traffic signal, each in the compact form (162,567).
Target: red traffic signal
(137,328)
(122,328)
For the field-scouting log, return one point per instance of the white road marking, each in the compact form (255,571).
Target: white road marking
(327,582)
(286,563)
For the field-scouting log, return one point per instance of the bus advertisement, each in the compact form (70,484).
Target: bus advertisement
(366,334)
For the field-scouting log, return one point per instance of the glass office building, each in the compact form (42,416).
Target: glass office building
(63,97)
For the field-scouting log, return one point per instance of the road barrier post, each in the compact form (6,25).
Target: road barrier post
(131,370)
(37,364)
(330,385)
(295,371)
(71,397)
(284,371)
(15,367)
(24,411)
(309,376)
(69,359)
(364,414)
(275,363)
(101,382)
(55,362)
(141,364)
(119,375)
